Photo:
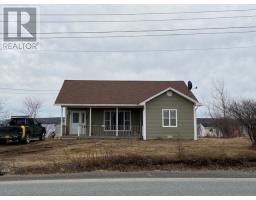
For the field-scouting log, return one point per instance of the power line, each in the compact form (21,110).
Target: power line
(145,30)
(142,51)
(140,20)
(14,93)
(147,13)
(148,35)
(21,89)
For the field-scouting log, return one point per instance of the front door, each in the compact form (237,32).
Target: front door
(78,122)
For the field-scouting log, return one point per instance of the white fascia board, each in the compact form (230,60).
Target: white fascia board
(175,91)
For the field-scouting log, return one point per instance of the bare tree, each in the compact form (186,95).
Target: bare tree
(245,112)
(3,112)
(32,107)
(218,109)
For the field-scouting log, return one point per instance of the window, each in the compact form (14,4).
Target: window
(110,120)
(36,122)
(75,117)
(169,118)
(18,122)
(30,122)
(124,120)
(83,117)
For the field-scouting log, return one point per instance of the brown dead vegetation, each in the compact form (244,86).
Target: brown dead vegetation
(61,156)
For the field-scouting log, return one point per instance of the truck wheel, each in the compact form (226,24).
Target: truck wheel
(42,137)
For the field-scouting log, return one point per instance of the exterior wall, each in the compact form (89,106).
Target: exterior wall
(185,117)
(97,120)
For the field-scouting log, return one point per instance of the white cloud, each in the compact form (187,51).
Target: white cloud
(48,70)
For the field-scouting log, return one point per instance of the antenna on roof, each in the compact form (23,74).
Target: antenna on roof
(190,85)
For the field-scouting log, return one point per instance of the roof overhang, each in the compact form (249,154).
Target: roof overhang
(99,105)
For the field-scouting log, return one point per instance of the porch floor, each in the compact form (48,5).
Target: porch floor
(99,137)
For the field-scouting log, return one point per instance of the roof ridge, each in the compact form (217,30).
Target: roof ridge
(128,80)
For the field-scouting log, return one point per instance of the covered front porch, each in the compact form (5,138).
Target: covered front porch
(101,121)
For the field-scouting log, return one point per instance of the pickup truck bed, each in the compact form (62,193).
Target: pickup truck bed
(22,129)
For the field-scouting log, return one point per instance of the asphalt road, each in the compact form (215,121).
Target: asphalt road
(131,186)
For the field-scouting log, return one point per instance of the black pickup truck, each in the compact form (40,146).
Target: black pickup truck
(22,129)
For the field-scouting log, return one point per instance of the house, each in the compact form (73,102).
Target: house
(207,127)
(143,109)
(213,127)
(52,126)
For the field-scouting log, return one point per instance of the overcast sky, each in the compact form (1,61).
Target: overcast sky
(42,70)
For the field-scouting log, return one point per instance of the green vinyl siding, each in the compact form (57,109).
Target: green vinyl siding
(185,117)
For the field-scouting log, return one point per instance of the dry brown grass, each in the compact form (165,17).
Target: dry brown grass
(94,154)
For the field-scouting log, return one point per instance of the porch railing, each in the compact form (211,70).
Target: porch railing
(102,131)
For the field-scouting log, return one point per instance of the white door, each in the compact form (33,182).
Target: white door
(78,122)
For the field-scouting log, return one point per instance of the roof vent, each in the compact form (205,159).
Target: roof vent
(169,93)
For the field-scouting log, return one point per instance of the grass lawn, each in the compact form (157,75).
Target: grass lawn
(57,153)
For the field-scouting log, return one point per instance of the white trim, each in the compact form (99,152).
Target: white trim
(117,113)
(176,112)
(65,114)
(130,129)
(90,122)
(144,129)
(195,122)
(61,121)
(167,89)
(99,105)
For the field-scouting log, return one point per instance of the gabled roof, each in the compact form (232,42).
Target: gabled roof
(206,122)
(87,92)
(215,122)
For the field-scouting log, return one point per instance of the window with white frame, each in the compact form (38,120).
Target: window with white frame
(124,120)
(169,118)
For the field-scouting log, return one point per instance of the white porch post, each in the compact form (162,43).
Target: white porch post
(195,122)
(65,117)
(78,130)
(61,122)
(90,122)
(116,122)
(144,135)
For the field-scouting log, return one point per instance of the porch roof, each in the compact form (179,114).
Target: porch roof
(81,92)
